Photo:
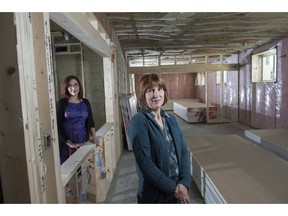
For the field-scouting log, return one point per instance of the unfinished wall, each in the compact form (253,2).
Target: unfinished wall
(121,82)
(94,85)
(66,65)
(245,88)
(264,104)
(282,86)
(224,96)
(230,96)
(88,66)
(179,85)
(200,93)
(13,165)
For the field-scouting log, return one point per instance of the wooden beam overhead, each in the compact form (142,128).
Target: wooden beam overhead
(187,68)
(79,26)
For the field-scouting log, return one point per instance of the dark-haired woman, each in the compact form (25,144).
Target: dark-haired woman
(74,118)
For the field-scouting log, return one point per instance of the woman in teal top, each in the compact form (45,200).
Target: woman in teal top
(161,153)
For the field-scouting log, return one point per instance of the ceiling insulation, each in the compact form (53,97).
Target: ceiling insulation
(150,34)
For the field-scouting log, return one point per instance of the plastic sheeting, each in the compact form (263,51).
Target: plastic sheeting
(223,93)
(264,105)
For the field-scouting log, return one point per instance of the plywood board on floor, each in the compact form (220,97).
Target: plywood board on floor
(238,171)
(272,140)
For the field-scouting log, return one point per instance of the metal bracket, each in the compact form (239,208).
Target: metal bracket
(47,141)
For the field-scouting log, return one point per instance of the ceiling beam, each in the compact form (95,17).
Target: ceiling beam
(79,26)
(186,68)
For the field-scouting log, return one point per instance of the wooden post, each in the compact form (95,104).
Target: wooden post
(118,142)
(34,153)
(110,110)
(13,169)
(38,107)
(54,153)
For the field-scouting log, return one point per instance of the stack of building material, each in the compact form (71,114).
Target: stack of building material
(230,169)
(193,111)
(272,140)
(128,104)
(169,105)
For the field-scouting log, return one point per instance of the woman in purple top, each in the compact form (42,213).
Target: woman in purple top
(74,118)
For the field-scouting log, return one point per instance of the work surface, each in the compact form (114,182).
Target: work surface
(239,170)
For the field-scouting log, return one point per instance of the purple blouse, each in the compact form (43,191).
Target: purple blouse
(74,121)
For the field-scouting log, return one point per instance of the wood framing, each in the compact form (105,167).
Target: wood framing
(105,161)
(30,109)
(38,106)
(116,106)
(49,79)
(187,68)
(79,26)
(109,89)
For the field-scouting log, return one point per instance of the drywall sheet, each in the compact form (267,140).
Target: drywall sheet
(128,104)
(193,111)
(169,105)
(234,170)
(272,140)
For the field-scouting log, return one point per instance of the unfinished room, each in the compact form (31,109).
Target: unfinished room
(225,78)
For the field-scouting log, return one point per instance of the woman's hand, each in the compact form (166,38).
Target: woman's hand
(181,193)
(95,140)
(74,145)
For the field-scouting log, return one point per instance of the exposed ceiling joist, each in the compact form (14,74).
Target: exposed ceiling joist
(196,33)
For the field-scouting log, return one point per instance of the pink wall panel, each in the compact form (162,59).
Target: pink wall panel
(245,88)
(200,93)
(264,105)
(230,96)
(282,113)
(282,86)
(180,86)
(270,105)
(259,105)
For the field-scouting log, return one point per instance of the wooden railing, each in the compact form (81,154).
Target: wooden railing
(88,173)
